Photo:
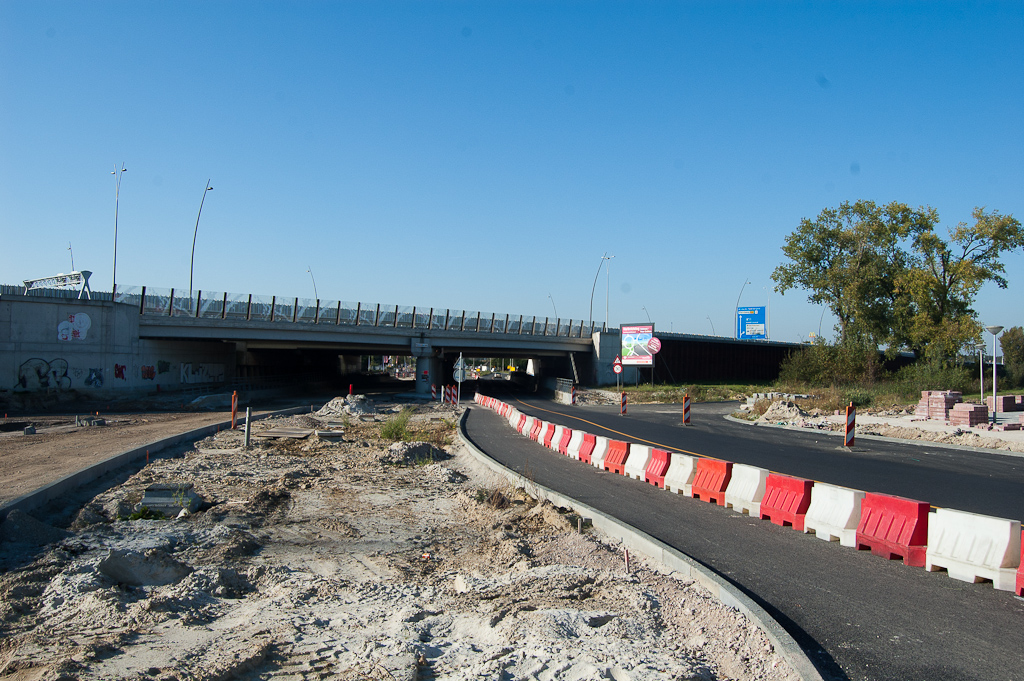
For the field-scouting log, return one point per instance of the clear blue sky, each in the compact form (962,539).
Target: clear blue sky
(484,155)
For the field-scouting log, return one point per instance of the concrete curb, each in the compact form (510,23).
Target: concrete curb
(672,559)
(47,493)
(880,438)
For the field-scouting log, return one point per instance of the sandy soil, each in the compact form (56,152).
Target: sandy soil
(59,448)
(350,560)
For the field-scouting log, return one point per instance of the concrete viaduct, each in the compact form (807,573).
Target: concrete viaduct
(151,340)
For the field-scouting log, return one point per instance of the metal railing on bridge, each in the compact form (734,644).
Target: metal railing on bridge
(291,310)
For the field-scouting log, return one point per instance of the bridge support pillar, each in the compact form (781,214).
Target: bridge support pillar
(428,371)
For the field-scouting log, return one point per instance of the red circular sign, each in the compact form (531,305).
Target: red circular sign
(617,368)
(654,345)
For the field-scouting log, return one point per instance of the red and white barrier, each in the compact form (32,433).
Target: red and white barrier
(622,405)
(575,445)
(615,459)
(521,423)
(894,527)
(600,451)
(679,478)
(711,479)
(1019,588)
(563,442)
(587,446)
(834,513)
(746,489)
(851,424)
(636,465)
(549,432)
(556,438)
(686,409)
(973,547)
(538,428)
(657,467)
(786,500)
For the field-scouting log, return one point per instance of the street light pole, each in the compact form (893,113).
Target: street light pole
(768,315)
(553,306)
(994,330)
(647,313)
(713,332)
(117,193)
(194,235)
(607,285)
(745,282)
(594,288)
(980,347)
(316,295)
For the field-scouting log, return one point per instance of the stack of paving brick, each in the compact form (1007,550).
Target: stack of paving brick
(964,414)
(1006,403)
(937,403)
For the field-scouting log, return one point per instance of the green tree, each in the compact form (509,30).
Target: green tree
(945,278)
(1012,342)
(852,259)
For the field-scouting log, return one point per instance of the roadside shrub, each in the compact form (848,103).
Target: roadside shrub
(395,429)
(824,364)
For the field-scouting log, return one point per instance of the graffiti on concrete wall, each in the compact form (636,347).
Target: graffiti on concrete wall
(95,378)
(148,373)
(38,374)
(202,373)
(163,366)
(75,328)
(119,371)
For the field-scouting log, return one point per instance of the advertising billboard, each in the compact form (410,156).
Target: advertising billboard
(636,349)
(751,323)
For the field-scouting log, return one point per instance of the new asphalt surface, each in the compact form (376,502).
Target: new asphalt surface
(857,615)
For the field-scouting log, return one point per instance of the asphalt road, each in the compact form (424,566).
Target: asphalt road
(858,616)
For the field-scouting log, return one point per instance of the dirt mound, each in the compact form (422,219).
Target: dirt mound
(782,411)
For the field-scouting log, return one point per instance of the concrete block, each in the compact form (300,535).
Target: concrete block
(746,489)
(834,513)
(974,547)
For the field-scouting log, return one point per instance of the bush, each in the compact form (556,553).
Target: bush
(842,364)
(395,427)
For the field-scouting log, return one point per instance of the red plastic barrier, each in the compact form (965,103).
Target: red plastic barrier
(710,479)
(563,444)
(548,434)
(786,500)
(657,467)
(521,423)
(893,526)
(587,448)
(1019,590)
(615,459)
(535,431)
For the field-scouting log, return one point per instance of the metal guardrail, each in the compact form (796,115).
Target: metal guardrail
(291,310)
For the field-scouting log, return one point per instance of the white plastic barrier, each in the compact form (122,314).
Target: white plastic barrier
(636,464)
(834,513)
(973,547)
(557,437)
(530,420)
(575,442)
(513,417)
(746,489)
(679,477)
(600,451)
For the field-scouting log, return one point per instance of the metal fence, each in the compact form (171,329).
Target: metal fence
(219,305)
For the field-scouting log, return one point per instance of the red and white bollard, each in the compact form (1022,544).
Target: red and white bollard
(622,405)
(574,394)
(851,424)
(686,409)
(433,391)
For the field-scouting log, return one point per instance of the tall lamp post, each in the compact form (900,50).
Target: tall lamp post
(745,282)
(644,308)
(194,235)
(117,193)
(713,332)
(768,315)
(594,288)
(980,347)
(994,330)
(553,305)
(316,295)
